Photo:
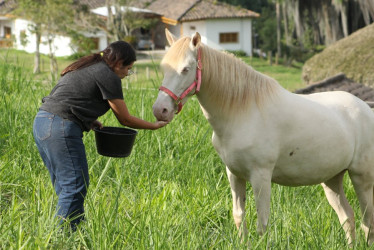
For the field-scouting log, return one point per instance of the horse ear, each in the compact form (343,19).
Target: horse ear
(170,37)
(195,40)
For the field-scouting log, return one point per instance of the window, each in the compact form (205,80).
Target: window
(7,32)
(229,37)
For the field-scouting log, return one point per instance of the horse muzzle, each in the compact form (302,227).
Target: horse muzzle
(164,109)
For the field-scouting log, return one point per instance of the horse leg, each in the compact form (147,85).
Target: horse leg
(238,199)
(335,195)
(261,185)
(363,185)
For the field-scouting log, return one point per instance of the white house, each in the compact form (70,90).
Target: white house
(232,34)
(221,26)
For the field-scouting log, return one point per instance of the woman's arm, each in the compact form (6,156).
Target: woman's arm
(119,108)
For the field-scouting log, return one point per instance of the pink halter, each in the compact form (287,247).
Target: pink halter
(196,84)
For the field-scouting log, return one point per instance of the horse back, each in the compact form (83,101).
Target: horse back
(302,139)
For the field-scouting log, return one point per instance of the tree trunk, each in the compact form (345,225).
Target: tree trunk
(52,59)
(364,6)
(285,23)
(343,13)
(314,16)
(117,21)
(109,20)
(370,6)
(341,8)
(336,29)
(298,22)
(36,69)
(325,15)
(277,5)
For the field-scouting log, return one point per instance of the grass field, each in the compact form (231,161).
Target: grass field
(171,193)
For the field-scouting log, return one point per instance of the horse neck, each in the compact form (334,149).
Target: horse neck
(230,87)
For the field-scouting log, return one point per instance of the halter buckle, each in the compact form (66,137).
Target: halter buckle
(199,66)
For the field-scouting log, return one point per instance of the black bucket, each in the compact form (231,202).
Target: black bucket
(114,142)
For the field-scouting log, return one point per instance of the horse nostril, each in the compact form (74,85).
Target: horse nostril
(165,111)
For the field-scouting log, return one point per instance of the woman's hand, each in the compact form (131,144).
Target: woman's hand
(160,124)
(96,124)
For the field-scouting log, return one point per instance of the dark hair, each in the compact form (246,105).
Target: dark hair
(115,52)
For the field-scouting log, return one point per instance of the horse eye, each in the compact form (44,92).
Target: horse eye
(185,70)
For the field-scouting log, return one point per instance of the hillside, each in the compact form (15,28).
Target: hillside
(353,56)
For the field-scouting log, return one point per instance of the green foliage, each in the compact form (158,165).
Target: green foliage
(84,45)
(239,53)
(266,27)
(53,15)
(23,38)
(131,40)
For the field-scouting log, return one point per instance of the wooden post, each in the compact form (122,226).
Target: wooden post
(270,57)
(276,58)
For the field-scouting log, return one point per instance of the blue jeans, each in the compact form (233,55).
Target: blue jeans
(61,147)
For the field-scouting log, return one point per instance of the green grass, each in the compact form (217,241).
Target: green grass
(288,77)
(170,193)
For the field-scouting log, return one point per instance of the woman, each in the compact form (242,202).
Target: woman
(87,89)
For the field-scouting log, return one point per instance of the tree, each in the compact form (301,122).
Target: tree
(49,18)
(267,30)
(278,14)
(31,10)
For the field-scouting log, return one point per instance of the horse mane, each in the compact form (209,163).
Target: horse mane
(227,77)
(234,80)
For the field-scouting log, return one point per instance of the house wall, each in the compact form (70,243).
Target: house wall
(210,30)
(62,44)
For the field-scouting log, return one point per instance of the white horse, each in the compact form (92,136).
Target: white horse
(264,133)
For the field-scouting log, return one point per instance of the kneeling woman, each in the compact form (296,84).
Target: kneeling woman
(87,89)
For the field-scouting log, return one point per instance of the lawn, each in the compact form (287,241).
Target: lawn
(170,193)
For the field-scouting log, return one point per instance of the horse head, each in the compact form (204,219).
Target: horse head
(182,75)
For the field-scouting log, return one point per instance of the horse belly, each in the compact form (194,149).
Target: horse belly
(314,164)
(295,164)
(302,170)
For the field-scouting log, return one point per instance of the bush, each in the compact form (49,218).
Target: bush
(237,52)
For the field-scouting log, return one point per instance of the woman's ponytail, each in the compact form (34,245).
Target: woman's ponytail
(116,51)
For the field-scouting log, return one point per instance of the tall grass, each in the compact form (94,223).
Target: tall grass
(170,193)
